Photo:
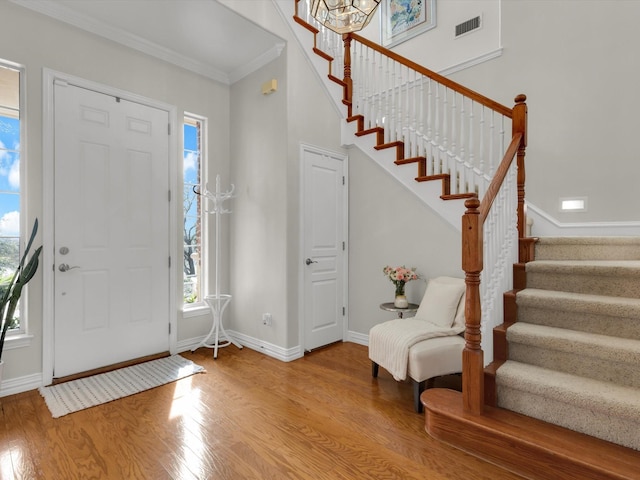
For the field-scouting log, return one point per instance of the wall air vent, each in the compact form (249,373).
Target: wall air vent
(468,26)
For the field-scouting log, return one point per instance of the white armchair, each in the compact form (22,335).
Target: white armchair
(426,346)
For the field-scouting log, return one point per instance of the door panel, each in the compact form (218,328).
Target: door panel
(111,229)
(323,246)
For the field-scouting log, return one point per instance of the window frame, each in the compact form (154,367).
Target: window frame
(20,337)
(193,309)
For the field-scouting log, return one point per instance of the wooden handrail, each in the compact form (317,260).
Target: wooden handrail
(473,253)
(487,102)
(498,178)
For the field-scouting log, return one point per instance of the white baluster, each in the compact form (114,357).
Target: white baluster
(420,127)
(481,136)
(492,141)
(367,81)
(437,126)
(392,122)
(503,145)
(407,125)
(373,90)
(445,135)
(380,89)
(457,170)
(468,141)
(428,151)
(399,105)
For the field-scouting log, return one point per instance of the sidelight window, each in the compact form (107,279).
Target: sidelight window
(193,169)
(11,140)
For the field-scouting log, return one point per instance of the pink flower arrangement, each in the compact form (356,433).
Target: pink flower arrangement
(399,276)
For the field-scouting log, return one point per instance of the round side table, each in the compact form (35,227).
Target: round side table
(390,307)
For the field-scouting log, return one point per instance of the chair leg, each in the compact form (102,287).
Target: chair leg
(374,369)
(418,388)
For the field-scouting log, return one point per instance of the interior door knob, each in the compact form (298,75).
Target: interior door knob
(65,267)
(308,261)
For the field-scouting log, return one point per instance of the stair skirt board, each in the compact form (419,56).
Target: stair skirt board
(600,409)
(521,444)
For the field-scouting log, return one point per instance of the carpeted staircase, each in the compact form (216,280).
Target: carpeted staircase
(574,352)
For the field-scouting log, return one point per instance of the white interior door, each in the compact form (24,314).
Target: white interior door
(111,230)
(324,242)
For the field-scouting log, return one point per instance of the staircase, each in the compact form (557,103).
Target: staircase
(441,132)
(573,356)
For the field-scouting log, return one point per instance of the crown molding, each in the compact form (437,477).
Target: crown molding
(89,24)
(257,63)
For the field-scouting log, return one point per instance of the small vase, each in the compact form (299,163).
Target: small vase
(401,301)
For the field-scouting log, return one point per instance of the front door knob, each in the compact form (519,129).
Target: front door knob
(308,261)
(65,267)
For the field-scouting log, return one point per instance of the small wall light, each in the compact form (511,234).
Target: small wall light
(576,204)
(269,87)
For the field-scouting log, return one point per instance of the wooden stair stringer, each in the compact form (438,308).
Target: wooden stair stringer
(510,309)
(524,445)
(450,213)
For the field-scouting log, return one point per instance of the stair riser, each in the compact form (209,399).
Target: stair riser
(619,372)
(587,252)
(614,326)
(615,286)
(623,431)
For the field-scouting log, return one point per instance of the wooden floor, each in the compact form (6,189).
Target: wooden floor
(248,417)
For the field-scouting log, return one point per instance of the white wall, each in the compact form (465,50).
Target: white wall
(259,220)
(267,241)
(37,42)
(577,63)
(438,49)
(389,227)
(581,94)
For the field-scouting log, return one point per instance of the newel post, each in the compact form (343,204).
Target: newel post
(348,82)
(472,355)
(519,125)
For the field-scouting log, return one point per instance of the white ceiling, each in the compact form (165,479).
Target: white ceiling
(200,35)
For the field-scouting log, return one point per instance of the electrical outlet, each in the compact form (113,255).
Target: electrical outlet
(266,319)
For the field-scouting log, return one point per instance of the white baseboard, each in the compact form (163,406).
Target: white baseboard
(20,384)
(359,338)
(544,225)
(34,381)
(269,349)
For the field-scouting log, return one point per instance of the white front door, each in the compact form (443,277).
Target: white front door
(324,247)
(111,230)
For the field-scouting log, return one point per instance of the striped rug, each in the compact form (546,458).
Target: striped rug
(76,395)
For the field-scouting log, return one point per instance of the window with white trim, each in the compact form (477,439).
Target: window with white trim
(11,136)
(194,156)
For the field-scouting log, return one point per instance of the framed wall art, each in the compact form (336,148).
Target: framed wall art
(401,20)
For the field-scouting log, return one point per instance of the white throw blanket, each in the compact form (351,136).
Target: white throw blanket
(390,341)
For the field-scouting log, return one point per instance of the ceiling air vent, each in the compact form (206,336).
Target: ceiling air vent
(468,26)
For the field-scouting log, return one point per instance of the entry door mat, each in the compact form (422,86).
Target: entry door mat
(77,395)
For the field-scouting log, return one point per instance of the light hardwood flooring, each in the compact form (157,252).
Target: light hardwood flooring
(248,417)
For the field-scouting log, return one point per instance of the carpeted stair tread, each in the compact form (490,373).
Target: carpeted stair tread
(620,278)
(601,314)
(600,409)
(600,357)
(584,248)
(587,267)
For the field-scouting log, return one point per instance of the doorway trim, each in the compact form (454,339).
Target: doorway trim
(48,78)
(301,241)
